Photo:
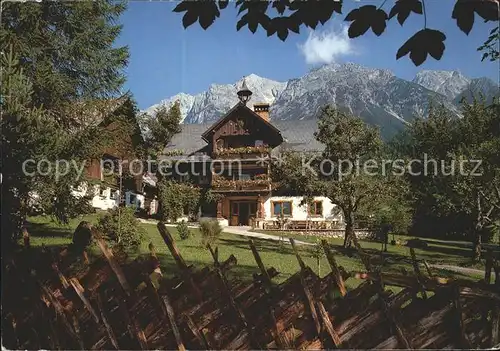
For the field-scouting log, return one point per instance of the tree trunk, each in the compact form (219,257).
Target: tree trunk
(318,261)
(26,238)
(13,216)
(477,247)
(349,229)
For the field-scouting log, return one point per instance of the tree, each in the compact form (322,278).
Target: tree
(291,177)
(426,147)
(349,142)
(291,15)
(161,127)
(457,190)
(479,139)
(183,230)
(490,47)
(177,198)
(392,210)
(57,57)
(78,61)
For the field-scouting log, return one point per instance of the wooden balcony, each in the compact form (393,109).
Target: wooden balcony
(228,185)
(243,153)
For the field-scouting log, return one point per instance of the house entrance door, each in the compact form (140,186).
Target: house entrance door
(244,213)
(241,211)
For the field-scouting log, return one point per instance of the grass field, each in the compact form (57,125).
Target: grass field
(280,256)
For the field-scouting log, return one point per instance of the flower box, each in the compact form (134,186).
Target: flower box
(250,184)
(242,152)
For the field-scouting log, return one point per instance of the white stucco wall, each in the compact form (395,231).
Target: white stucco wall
(299,213)
(102,199)
(153,207)
(138,202)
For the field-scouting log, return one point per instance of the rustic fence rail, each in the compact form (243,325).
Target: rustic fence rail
(115,303)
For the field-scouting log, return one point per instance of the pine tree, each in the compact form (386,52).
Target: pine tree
(66,49)
(56,57)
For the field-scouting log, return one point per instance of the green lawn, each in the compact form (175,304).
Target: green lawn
(274,254)
(281,257)
(456,253)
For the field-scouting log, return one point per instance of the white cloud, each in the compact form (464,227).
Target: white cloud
(326,46)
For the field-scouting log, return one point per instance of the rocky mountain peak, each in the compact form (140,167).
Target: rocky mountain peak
(376,95)
(448,83)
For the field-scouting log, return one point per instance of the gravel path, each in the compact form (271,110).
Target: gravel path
(459,269)
(245,231)
(242,230)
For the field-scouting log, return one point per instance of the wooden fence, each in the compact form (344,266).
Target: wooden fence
(50,301)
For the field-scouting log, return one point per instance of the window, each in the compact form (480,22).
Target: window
(102,192)
(243,176)
(316,208)
(219,144)
(114,195)
(253,209)
(131,199)
(154,168)
(282,208)
(165,169)
(259,143)
(203,179)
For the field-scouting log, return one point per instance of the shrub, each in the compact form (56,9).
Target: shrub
(210,231)
(318,253)
(175,198)
(142,213)
(183,230)
(120,227)
(493,233)
(82,237)
(282,248)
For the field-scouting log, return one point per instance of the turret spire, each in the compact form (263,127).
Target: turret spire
(244,94)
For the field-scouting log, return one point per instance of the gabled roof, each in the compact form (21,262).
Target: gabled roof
(298,136)
(238,106)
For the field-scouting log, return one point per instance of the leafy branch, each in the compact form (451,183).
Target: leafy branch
(255,13)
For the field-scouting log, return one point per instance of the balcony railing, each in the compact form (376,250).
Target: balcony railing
(222,184)
(247,152)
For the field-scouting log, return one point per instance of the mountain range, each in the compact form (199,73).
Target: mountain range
(376,95)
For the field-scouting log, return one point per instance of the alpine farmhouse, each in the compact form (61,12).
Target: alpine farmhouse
(231,158)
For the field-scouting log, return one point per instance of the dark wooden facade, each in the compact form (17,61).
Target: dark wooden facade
(238,144)
(124,139)
(241,127)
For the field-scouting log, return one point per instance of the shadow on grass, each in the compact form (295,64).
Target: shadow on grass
(48,230)
(436,251)
(262,245)
(463,245)
(239,273)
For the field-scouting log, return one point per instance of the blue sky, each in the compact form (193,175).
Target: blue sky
(167,59)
